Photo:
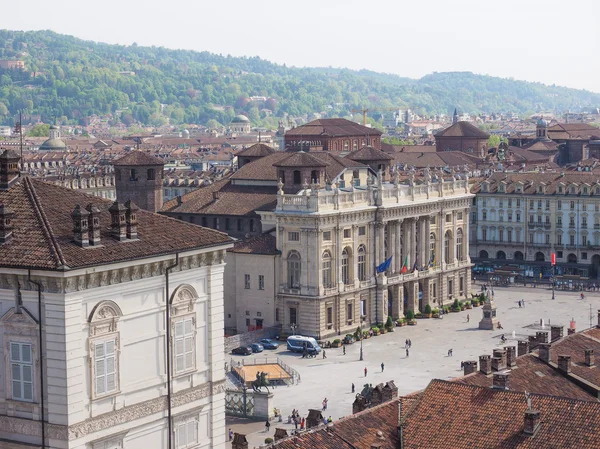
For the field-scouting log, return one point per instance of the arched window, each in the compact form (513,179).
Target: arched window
(297,177)
(293,269)
(459,244)
(483,254)
(346,256)
(539,257)
(447,247)
(518,255)
(326,271)
(362,264)
(501,255)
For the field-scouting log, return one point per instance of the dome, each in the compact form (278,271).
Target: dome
(541,123)
(240,119)
(53,145)
(53,127)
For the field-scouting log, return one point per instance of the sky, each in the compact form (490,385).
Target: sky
(553,42)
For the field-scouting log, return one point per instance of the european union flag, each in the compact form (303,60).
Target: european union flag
(384,266)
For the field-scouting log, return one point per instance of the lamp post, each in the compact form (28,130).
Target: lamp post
(361,342)
(553,280)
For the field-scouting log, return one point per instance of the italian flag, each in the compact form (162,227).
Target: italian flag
(404,266)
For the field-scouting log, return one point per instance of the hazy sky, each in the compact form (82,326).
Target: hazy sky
(554,42)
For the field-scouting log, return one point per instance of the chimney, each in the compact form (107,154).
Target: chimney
(9,169)
(541,337)
(131,219)
(571,331)
(239,441)
(314,418)
(216,195)
(179,201)
(523,347)
(470,366)
(544,352)
(6,226)
(499,356)
(564,363)
(532,342)
(280,434)
(531,421)
(118,224)
(589,357)
(598,325)
(511,356)
(93,224)
(556,333)
(80,226)
(485,364)
(501,381)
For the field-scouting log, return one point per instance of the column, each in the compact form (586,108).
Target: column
(318,263)
(453,243)
(413,241)
(467,235)
(427,239)
(440,238)
(381,240)
(392,245)
(406,241)
(338,256)
(355,255)
(399,256)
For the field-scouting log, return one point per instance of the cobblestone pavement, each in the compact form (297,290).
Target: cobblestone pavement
(431,339)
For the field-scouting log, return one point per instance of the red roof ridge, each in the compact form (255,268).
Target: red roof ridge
(45,225)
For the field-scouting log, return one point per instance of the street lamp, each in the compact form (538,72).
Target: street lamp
(361,341)
(553,280)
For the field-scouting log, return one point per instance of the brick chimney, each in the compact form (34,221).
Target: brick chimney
(131,219)
(523,347)
(564,363)
(541,337)
(571,331)
(280,434)
(501,381)
(216,195)
(389,392)
(239,441)
(9,169)
(485,364)
(470,366)
(118,223)
(314,418)
(533,343)
(6,227)
(589,357)
(499,360)
(80,226)
(511,356)
(532,422)
(556,333)
(545,351)
(93,224)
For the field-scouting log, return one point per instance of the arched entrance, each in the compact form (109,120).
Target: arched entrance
(595,268)
(405,289)
(421,306)
(539,257)
(572,258)
(483,254)
(391,311)
(501,255)
(518,255)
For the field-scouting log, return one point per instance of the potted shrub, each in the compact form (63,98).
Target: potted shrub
(455,306)
(401,322)
(389,324)
(435,313)
(268,440)
(336,343)
(446,309)
(358,333)
(375,330)
(468,305)
(410,318)
(427,313)
(366,334)
(418,315)
(475,301)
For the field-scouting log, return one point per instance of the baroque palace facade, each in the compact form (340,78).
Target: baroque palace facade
(332,240)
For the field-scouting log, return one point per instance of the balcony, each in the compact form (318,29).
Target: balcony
(597,226)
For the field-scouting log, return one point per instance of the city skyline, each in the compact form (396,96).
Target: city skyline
(526,40)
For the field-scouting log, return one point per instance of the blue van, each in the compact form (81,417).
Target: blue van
(297,343)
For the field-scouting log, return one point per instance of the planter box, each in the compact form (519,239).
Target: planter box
(412,323)
(470,306)
(336,345)
(436,315)
(389,329)
(454,310)
(383,331)
(427,315)
(401,323)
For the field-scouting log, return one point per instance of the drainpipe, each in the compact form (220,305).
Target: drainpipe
(168,317)
(41,352)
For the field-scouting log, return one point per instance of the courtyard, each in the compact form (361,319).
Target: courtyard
(428,357)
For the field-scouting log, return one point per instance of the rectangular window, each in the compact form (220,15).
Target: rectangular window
(510,216)
(510,202)
(349,311)
(518,217)
(459,217)
(572,205)
(227,224)
(434,290)
(293,315)
(461,285)
(247,321)
(105,367)
(559,254)
(216,223)
(187,434)
(547,239)
(484,234)
(547,204)
(539,204)
(584,256)
(293,236)
(559,221)
(583,240)
(277,314)
(501,235)
(240,225)
(347,233)
(483,215)
(584,222)
(500,203)
(474,217)
(531,219)
(327,236)
(258,313)
(329,315)
(252,226)
(448,218)
(518,203)
(559,204)
(450,288)
(559,239)
(531,202)
(261,282)
(184,345)
(531,238)
(362,230)
(247,281)
(484,203)
(21,371)
(509,236)
(572,240)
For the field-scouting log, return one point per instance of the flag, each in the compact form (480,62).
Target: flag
(404,266)
(414,268)
(432,259)
(385,265)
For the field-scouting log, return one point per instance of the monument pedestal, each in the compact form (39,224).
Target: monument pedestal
(263,405)
(489,321)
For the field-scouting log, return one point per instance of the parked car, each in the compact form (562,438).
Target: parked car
(257,347)
(242,350)
(269,344)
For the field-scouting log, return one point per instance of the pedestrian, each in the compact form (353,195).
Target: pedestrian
(409,343)
(365,371)
(523,301)
(295,423)
(330,419)
(230,434)
(448,352)
(324,356)
(406,352)
(451,353)
(302,423)
(344,350)
(267,425)
(468,318)
(324,420)
(406,343)
(519,301)
(382,367)
(325,404)
(352,387)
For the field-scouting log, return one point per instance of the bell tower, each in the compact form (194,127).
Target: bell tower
(139,178)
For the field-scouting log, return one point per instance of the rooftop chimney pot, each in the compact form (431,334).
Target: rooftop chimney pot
(485,364)
(589,357)
(544,352)
(564,363)
(532,422)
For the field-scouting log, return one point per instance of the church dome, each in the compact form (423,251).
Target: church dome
(541,123)
(53,145)
(240,119)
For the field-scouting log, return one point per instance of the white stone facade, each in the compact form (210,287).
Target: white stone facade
(105,340)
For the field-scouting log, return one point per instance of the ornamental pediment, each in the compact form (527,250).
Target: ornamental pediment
(21,317)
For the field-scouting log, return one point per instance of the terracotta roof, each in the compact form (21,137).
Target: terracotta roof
(572,131)
(259,244)
(256,150)
(540,145)
(574,346)
(451,415)
(439,159)
(230,200)
(408,148)
(333,127)
(43,231)
(531,180)
(463,129)
(137,157)
(369,154)
(300,159)
(261,169)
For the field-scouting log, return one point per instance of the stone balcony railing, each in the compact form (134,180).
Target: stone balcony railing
(320,200)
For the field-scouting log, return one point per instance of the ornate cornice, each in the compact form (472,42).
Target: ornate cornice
(110,277)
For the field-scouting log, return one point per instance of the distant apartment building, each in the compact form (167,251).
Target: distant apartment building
(11,64)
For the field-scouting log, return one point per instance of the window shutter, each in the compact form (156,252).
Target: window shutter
(189,344)
(192,432)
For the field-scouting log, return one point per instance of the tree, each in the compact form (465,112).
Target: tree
(39,131)
(212,123)
(493,141)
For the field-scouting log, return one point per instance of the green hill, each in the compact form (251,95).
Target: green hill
(69,79)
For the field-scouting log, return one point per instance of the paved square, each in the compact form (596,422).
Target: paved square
(431,339)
